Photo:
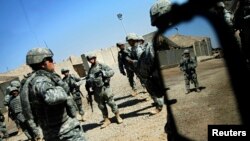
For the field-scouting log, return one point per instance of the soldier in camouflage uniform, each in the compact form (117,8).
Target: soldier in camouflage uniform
(45,95)
(13,83)
(31,131)
(74,83)
(7,98)
(123,65)
(15,111)
(3,127)
(241,22)
(98,82)
(188,65)
(142,59)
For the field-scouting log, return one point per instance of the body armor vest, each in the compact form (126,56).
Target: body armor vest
(46,115)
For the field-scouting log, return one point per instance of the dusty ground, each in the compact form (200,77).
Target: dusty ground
(215,104)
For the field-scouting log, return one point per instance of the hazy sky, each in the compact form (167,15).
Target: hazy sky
(74,27)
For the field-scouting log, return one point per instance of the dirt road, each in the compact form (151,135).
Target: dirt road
(215,104)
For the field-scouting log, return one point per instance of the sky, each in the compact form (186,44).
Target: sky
(74,27)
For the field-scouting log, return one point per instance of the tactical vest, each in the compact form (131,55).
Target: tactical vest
(122,55)
(97,81)
(15,104)
(145,65)
(46,115)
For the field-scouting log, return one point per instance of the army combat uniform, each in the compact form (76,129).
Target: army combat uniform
(3,127)
(74,87)
(15,111)
(123,65)
(46,94)
(188,65)
(142,58)
(146,69)
(98,80)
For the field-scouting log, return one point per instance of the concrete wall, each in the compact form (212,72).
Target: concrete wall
(171,58)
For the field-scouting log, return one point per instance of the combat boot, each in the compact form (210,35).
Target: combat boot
(155,111)
(148,98)
(144,90)
(187,92)
(19,131)
(198,90)
(134,93)
(83,118)
(118,118)
(105,123)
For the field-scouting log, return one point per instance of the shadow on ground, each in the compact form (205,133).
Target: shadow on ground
(89,126)
(123,97)
(130,103)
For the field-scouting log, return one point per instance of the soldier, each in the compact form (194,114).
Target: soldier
(7,99)
(241,23)
(45,94)
(98,82)
(74,83)
(14,102)
(143,62)
(14,83)
(188,65)
(123,65)
(15,111)
(221,11)
(3,128)
(141,40)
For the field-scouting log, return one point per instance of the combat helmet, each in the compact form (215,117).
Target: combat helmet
(64,70)
(186,51)
(37,55)
(15,83)
(131,36)
(140,38)
(11,89)
(90,56)
(119,44)
(159,8)
(220,4)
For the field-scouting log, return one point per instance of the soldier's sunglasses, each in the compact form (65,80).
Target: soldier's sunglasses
(50,59)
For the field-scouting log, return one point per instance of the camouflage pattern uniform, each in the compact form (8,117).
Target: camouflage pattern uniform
(124,65)
(143,61)
(7,99)
(47,96)
(3,128)
(15,112)
(241,22)
(74,88)
(188,65)
(98,79)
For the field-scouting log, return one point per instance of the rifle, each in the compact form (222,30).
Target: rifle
(90,100)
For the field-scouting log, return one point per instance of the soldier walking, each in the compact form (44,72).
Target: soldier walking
(46,97)
(98,83)
(188,65)
(74,83)
(143,61)
(124,66)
